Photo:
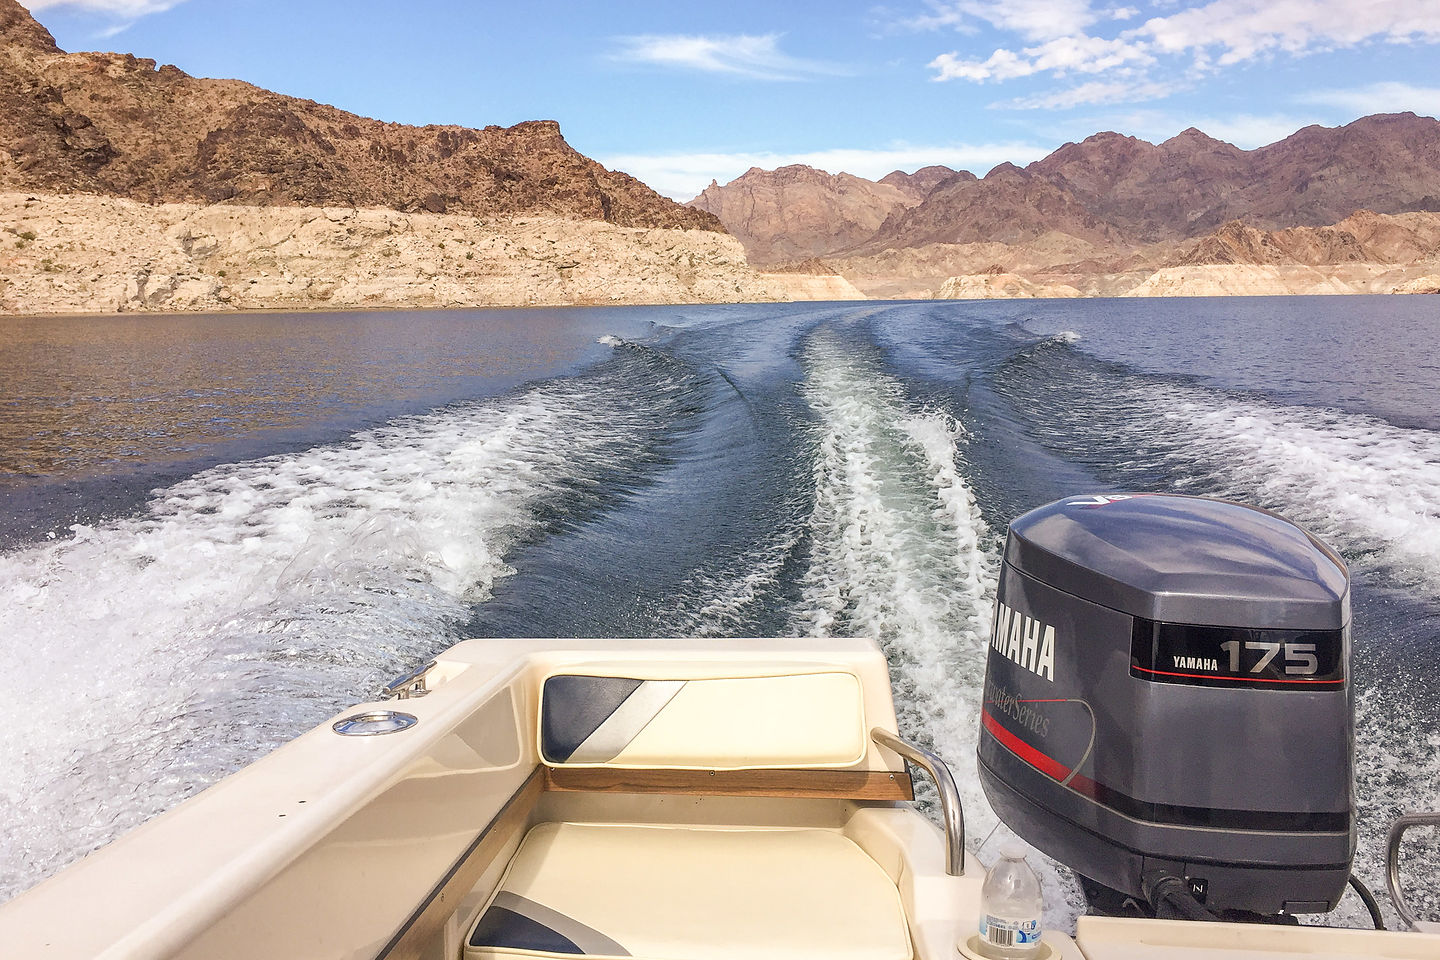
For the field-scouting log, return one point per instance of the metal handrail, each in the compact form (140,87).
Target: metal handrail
(408,685)
(1392,859)
(950,809)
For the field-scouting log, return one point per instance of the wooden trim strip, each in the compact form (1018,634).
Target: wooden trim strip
(428,919)
(822,784)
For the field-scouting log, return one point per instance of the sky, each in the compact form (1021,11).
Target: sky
(680,93)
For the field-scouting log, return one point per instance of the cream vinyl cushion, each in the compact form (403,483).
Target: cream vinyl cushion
(696,893)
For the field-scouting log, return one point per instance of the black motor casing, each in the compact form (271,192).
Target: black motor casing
(1167,692)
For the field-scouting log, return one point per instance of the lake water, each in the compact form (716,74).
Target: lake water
(262,518)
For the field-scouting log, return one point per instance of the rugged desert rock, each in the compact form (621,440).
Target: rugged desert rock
(811,286)
(798,212)
(1364,253)
(1001,286)
(113,124)
(1430,284)
(1363,237)
(82,253)
(1240,280)
(918,272)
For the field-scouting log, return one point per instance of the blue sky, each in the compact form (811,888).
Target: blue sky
(679,93)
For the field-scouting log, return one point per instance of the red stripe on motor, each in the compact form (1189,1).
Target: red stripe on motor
(1045,763)
(1218,676)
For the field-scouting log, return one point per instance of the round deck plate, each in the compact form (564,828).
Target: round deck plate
(374,724)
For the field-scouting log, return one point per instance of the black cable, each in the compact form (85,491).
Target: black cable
(1370,903)
(1173,893)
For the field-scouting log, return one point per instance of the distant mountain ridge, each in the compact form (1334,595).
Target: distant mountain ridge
(796,212)
(1112,191)
(113,124)
(1138,192)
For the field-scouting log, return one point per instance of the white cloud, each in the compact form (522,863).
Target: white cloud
(1210,36)
(756,57)
(683,175)
(1096,91)
(128,9)
(1002,65)
(1240,30)
(1388,97)
(1032,19)
(1081,54)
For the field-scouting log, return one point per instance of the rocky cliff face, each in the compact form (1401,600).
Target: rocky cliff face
(113,124)
(797,212)
(82,253)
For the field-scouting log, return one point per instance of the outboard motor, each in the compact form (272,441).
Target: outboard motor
(1167,701)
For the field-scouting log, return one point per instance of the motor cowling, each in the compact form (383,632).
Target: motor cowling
(1167,694)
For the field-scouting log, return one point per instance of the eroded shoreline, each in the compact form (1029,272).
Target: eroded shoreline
(86,254)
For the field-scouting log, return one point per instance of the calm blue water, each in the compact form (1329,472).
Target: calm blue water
(259,519)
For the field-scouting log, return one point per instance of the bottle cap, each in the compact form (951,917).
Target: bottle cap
(1013,850)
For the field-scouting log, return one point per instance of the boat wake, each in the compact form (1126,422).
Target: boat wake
(158,653)
(900,553)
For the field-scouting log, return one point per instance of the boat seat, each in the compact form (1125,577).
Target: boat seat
(691,893)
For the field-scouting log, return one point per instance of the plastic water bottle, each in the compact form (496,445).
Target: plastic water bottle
(1010,908)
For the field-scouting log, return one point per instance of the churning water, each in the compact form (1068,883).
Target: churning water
(210,548)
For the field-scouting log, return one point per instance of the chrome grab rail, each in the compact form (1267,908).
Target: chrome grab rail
(950,809)
(1392,859)
(408,685)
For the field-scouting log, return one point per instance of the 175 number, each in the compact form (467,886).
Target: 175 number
(1300,659)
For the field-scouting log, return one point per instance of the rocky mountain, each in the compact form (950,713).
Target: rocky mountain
(922,181)
(114,124)
(1009,205)
(797,212)
(1127,191)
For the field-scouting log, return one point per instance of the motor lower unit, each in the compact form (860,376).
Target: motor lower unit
(1167,696)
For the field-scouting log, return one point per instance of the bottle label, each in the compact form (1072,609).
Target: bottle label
(1009,933)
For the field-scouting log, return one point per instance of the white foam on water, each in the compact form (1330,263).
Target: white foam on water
(155,654)
(900,553)
(730,599)
(1397,764)
(1368,487)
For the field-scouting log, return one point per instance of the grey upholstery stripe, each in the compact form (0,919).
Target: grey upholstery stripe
(622,726)
(592,941)
(573,706)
